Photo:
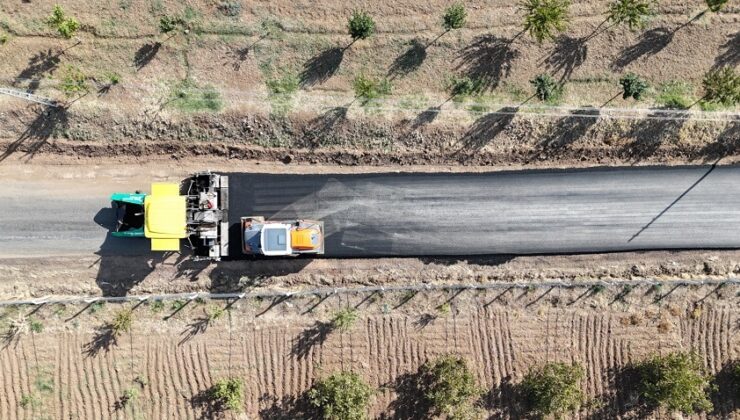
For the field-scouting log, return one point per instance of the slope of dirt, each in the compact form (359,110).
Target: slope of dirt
(74,367)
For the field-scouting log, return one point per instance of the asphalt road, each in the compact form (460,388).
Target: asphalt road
(529,212)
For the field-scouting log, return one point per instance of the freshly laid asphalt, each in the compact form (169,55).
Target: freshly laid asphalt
(394,214)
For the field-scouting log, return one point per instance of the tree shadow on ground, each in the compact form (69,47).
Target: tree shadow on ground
(484,260)
(237,57)
(568,54)
(198,326)
(504,400)
(485,129)
(287,408)
(487,60)
(409,61)
(727,143)
(322,67)
(650,133)
(38,66)
(310,338)
(731,54)
(726,396)
(425,117)
(410,402)
(103,339)
(623,401)
(145,54)
(49,122)
(565,131)
(650,43)
(205,406)
(323,130)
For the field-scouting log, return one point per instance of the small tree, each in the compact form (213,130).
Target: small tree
(73,81)
(635,13)
(632,86)
(716,5)
(546,88)
(122,321)
(454,17)
(543,18)
(463,86)
(344,319)
(449,386)
(361,25)
(367,88)
(343,395)
(228,394)
(168,24)
(553,389)
(676,381)
(66,26)
(722,86)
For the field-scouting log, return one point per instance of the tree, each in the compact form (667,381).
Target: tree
(344,319)
(716,5)
(454,17)
(635,13)
(73,81)
(168,24)
(553,389)
(66,26)
(361,25)
(676,381)
(228,394)
(633,86)
(367,88)
(343,395)
(543,18)
(546,88)
(722,86)
(464,86)
(449,386)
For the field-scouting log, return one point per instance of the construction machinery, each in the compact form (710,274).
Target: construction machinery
(196,210)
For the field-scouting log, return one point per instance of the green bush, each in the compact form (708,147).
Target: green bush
(361,25)
(454,17)
(464,86)
(188,97)
(36,326)
(344,319)
(228,394)
(543,18)
(367,88)
(722,86)
(284,85)
(546,88)
(341,396)
(66,26)
(3,39)
(635,13)
(676,381)
(633,86)
(716,5)
(73,82)
(553,389)
(674,94)
(449,386)
(122,321)
(168,24)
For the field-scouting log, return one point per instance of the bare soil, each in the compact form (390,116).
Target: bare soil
(75,367)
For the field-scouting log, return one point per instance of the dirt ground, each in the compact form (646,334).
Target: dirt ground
(74,369)
(323,123)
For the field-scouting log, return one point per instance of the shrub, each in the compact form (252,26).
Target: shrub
(464,86)
(716,5)
(543,18)
(635,13)
(674,94)
(74,82)
(546,88)
(122,321)
(270,28)
(66,26)
(3,39)
(342,395)
(449,386)
(36,326)
(113,78)
(230,8)
(553,389)
(168,24)
(228,394)
(29,400)
(367,88)
(361,25)
(722,86)
(454,17)
(130,395)
(344,319)
(675,381)
(284,85)
(633,86)
(187,96)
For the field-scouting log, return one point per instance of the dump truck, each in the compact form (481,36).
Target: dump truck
(197,210)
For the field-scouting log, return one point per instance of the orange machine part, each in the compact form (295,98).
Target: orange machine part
(301,239)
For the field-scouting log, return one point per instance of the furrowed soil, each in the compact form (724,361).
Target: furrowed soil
(212,91)
(74,366)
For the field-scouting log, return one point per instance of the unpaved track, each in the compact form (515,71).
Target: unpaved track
(586,210)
